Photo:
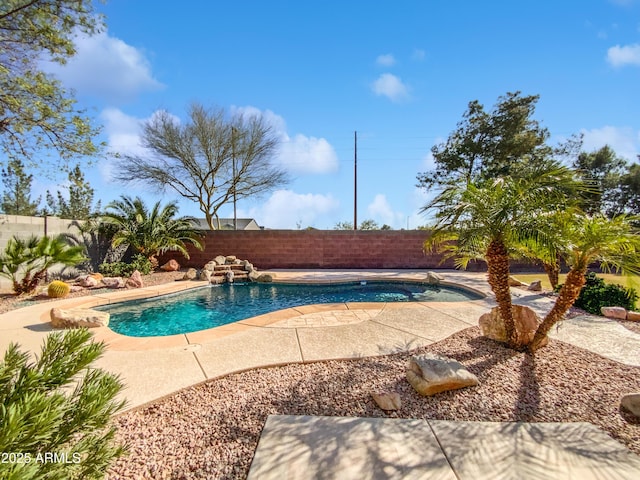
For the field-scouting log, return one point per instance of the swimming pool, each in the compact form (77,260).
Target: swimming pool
(208,307)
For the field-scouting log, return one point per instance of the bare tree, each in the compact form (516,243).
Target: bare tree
(209,159)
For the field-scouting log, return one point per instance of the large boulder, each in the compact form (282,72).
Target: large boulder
(87,281)
(525,319)
(633,316)
(514,282)
(535,286)
(220,259)
(614,312)
(429,374)
(230,259)
(631,402)
(135,280)
(190,274)
(264,278)
(78,317)
(210,266)
(114,282)
(205,275)
(170,266)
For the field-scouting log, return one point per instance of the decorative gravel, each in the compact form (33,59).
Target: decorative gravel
(211,430)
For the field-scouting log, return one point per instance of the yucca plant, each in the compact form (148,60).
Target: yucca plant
(58,404)
(26,261)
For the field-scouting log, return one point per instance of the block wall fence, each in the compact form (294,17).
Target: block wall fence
(268,249)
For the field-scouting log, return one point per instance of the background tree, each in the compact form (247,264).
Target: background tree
(603,170)
(16,198)
(36,112)
(506,141)
(208,159)
(59,403)
(150,232)
(79,206)
(368,224)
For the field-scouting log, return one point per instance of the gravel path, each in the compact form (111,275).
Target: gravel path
(211,430)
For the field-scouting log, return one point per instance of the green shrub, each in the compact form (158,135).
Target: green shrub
(122,269)
(59,407)
(596,294)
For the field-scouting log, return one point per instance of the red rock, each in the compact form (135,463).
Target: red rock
(170,266)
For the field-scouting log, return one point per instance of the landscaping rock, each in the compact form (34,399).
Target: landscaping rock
(633,316)
(205,275)
(171,266)
(190,274)
(253,276)
(78,318)
(76,288)
(631,402)
(229,276)
(434,278)
(514,282)
(535,286)
(97,275)
(387,400)
(230,259)
(614,312)
(429,374)
(264,278)
(114,282)
(135,280)
(210,266)
(217,280)
(220,259)
(88,282)
(525,319)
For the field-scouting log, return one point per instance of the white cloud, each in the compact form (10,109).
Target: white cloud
(624,140)
(299,154)
(107,67)
(386,60)
(390,86)
(619,56)
(380,210)
(287,209)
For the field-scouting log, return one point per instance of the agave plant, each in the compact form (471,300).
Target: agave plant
(151,232)
(25,262)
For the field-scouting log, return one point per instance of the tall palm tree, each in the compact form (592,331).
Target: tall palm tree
(613,243)
(151,232)
(493,220)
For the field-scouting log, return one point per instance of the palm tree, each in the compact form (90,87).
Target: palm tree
(25,262)
(151,232)
(613,243)
(493,220)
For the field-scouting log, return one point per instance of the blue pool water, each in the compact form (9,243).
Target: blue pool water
(209,307)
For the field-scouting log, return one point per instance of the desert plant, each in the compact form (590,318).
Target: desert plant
(151,232)
(58,289)
(123,269)
(25,262)
(58,404)
(597,294)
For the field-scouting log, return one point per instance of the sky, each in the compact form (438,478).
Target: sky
(399,73)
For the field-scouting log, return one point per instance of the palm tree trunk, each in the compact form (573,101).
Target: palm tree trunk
(553,273)
(569,293)
(498,270)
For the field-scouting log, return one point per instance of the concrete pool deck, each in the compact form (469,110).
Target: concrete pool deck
(155,367)
(158,366)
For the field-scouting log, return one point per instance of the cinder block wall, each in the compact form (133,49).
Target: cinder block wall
(318,249)
(24,227)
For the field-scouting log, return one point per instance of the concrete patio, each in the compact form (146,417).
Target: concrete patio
(158,366)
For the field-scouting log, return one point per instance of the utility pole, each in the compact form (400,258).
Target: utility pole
(355,180)
(233,159)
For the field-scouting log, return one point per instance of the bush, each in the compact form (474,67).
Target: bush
(58,405)
(123,269)
(596,294)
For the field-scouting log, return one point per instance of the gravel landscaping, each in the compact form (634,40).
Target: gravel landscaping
(211,430)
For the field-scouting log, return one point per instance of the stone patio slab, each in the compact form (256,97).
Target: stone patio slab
(425,322)
(533,451)
(306,447)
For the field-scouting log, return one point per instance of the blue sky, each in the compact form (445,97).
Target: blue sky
(399,73)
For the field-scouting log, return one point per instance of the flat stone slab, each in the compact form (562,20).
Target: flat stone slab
(308,447)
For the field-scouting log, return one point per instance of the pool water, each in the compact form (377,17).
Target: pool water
(213,306)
